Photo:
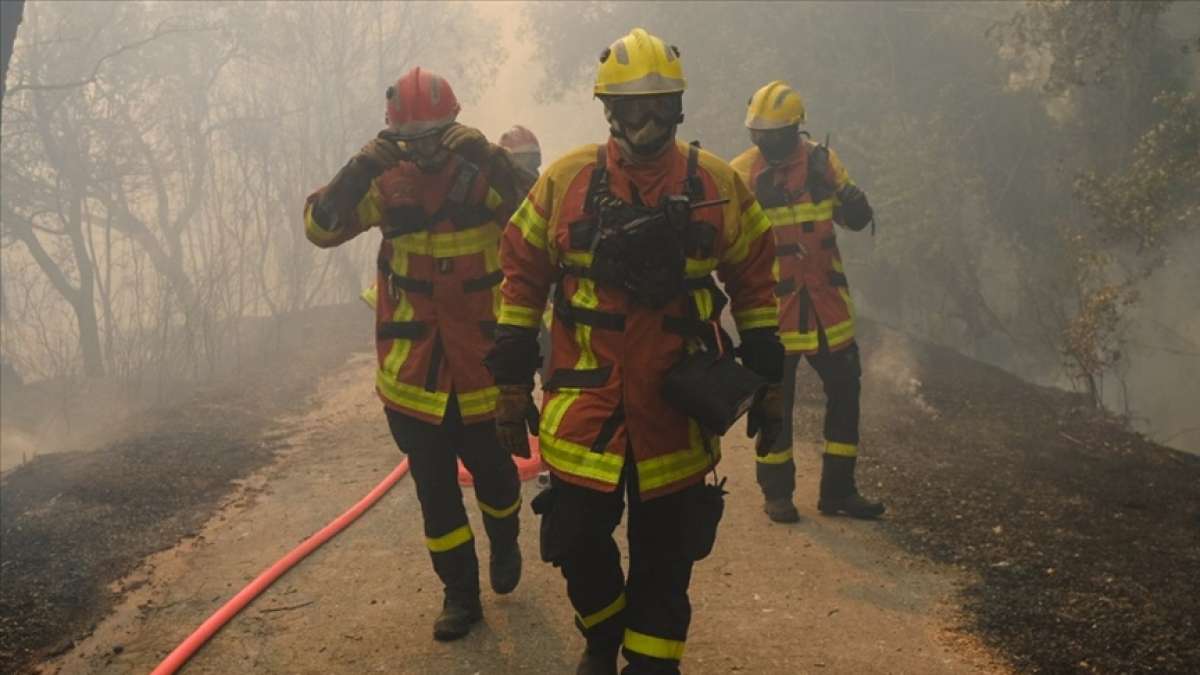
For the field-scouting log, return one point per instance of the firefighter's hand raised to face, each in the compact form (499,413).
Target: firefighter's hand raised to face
(468,142)
(380,154)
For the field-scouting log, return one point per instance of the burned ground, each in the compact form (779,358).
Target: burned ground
(72,523)
(1084,537)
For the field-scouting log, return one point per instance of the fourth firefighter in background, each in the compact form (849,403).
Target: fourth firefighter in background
(629,234)
(438,192)
(804,190)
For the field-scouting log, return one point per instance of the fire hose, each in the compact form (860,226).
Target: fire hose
(527,468)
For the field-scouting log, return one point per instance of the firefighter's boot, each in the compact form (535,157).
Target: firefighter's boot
(598,660)
(460,611)
(839,493)
(505,567)
(781,510)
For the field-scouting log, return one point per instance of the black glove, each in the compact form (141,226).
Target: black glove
(514,356)
(855,211)
(468,142)
(762,352)
(380,154)
(819,184)
(350,184)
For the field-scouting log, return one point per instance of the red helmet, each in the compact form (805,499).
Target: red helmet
(519,140)
(420,103)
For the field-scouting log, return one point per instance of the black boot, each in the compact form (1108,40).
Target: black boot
(459,613)
(598,660)
(781,510)
(839,494)
(505,567)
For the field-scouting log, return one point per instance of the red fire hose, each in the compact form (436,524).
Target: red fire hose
(188,647)
(527,468)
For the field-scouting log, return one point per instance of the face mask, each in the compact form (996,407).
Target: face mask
(428,153)
(645,142)
(776,145)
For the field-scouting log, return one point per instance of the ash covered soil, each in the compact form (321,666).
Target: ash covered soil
(1084,537)
(74,523)
(1068,544)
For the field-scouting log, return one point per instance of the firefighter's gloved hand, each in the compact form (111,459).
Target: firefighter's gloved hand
(850,193)
(765,419)
(379,155)
(516,418)
(468,142)
(855,211)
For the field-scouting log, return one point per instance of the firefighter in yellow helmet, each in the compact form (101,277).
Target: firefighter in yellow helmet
(632,231)
(805,190)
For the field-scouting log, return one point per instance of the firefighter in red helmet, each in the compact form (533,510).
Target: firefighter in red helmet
(524,148)
(439,192)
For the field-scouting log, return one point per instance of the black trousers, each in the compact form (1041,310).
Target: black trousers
(433,451)
(841,377)
(647,611)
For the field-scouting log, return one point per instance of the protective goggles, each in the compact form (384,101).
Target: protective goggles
(782,136)
(425,146)
(636,112)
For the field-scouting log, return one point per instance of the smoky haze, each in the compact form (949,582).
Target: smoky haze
(156,157)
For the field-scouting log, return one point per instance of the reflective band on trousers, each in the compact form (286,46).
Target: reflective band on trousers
(500,513)
(648,645)
(779,457)
(841,449)
(602,615)
(457,537)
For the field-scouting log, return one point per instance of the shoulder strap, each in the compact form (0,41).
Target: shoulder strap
(599,179)
(695,186)
(464,180)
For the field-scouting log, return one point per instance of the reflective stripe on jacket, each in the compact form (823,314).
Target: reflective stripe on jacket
(814,294)
(438,285)
(610,355)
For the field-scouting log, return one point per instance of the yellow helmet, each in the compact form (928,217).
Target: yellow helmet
(774,106)
(639,64)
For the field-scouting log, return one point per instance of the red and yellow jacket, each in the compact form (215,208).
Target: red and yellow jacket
(439,284)
(814,295)
(609,355)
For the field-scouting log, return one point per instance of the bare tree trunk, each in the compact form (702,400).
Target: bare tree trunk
(10,17)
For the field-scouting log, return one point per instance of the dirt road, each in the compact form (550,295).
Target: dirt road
(827,595)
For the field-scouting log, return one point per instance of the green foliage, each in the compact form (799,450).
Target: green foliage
(1079,42)
(1156,196)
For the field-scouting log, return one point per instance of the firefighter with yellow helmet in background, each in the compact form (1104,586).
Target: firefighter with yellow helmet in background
(804,190)
(630,233)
